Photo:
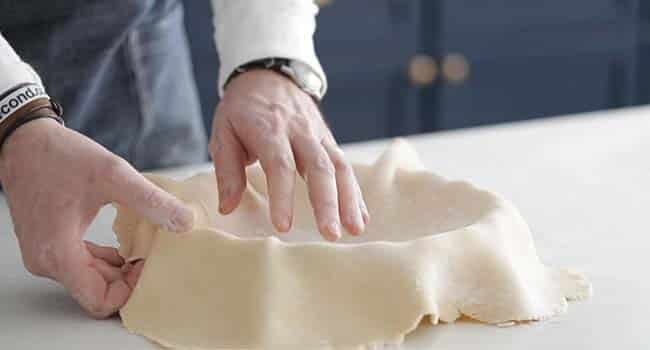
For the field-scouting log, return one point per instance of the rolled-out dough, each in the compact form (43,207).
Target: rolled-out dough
(433,247)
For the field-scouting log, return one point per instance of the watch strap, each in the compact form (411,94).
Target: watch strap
(279,65)
(273,63)
(36,109)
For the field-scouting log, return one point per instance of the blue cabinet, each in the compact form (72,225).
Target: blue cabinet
(490,62)
(532,59)
(198,22)
(364,46)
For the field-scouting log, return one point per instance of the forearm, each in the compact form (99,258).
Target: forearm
(247,30)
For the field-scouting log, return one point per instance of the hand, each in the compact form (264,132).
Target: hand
(56,180)
(264,116)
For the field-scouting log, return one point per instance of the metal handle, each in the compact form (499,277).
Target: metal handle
(455,68)
(423,70)
(323,3)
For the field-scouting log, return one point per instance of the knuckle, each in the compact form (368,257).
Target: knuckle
(112,169)
(326,205)
(302,124)
(322,165)
(282,162)
(273,123)
(153,198)
(276,108)
(340,164)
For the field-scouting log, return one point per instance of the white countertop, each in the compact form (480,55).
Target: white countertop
(583,184)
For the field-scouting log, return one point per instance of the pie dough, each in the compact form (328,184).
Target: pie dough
(434,249)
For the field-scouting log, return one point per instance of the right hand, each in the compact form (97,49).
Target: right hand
(56,180)
(265,116)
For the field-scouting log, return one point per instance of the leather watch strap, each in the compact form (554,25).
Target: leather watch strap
(39,108)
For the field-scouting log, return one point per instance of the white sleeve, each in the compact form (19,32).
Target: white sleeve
(248,30)
(13,71)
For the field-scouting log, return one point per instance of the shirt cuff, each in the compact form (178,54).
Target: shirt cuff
(249,30)
(13,71)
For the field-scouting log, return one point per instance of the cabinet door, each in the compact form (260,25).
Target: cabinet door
(205,61)
(525,60)
(364,46)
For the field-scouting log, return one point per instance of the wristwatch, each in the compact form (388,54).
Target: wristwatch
(23,104)
(299,72)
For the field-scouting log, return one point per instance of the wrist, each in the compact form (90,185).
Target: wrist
(38,108)
(263,77)
(31,137)
(297,72)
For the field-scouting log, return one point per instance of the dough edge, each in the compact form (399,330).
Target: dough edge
(563,284)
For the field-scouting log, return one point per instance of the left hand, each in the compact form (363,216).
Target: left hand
(265,116)
(56,180)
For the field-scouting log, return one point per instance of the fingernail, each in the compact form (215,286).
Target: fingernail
(352,223)
(284,224)
(358,223)
(334,229)
(183,220)
(127,267)
(223,199)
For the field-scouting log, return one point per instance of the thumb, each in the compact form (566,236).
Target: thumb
(99,287)
(128,188)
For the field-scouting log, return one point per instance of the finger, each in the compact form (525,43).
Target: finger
(129,188)
(349,198)
(108,254)
(364,212)
(92,282)
(319,174)
(132,274)
(229,159)
(280,168)
(109,273)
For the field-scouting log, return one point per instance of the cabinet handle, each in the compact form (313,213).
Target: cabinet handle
(323,3)
(422,70)
(455,68)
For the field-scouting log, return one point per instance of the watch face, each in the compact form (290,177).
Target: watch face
(306,78)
